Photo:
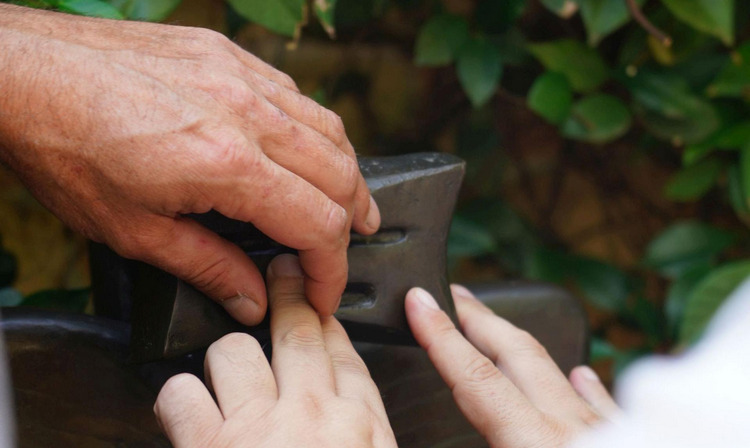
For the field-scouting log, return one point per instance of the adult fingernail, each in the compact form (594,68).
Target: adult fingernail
(461,291)
(243,307)
(286,265)
(373,216)
(425,298)
(588,373)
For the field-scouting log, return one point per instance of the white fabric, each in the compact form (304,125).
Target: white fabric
(698,399)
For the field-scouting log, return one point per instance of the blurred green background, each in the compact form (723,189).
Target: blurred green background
(607,141)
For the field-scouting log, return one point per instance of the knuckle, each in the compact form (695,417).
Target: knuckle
(227,151)
(479,371)
(287,81)
(349,174)
(336,225)
(237,95)
(209,275)
(303,335)
(525,345)
(138,245)
(335,127)
(210,38)
(349,363)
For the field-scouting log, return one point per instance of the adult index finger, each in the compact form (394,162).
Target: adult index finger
(485,396)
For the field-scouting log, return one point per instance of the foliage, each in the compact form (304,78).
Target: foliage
(671,76)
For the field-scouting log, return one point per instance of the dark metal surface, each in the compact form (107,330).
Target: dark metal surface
(74,389)
(416,194)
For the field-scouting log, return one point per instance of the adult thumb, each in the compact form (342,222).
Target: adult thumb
(213,265)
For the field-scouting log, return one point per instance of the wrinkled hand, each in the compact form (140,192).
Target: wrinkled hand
(317,391)
(502,379)
(121,128)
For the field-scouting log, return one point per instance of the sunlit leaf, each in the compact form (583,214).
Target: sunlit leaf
(281,16)
(581,64)
(324,10)
(150,10)
(479,69)
(91,8)
(693,182)
(551,97)
(597,118)
(708,295)
(440,39)
(715,17)
(563,8)
(602,17)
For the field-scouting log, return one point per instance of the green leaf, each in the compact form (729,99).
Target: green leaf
(693,182)
(515,242)
(582,65)
(603,285)
(602,350)
(679,291)
(91,8)
(324,10)
(731,137)
(597,118)
(468,239)
(734,78)
(681,246)
(10,297)
(8,267)
(563,8)
(479,69)
(497,17)
(150,10)
(649,318)
(62,299)
(440,39)
(281,16)
(737,197)
(715,17)
(602,17)
(708,296)
(551,97)
(684,246)
(549,265)
(669,109)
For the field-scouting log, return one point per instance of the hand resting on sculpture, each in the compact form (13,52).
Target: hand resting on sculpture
(317,392)
(502,379)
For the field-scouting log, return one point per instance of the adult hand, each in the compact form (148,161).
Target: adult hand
(121,128)
(502,379)
(317,391)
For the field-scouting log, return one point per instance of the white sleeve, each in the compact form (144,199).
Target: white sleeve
(7,420)
(698,399)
